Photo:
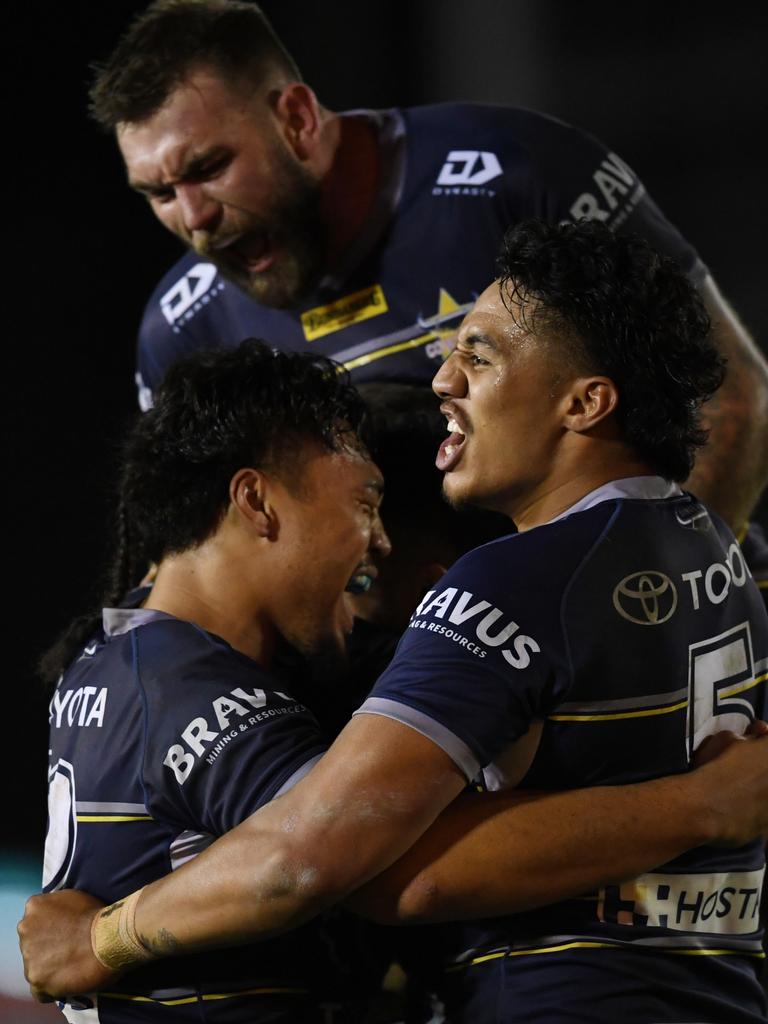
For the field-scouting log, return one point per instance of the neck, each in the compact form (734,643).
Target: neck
(202,587)
(351,182)
(556,495)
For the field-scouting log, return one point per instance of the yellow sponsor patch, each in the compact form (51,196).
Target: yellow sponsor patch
(351,309)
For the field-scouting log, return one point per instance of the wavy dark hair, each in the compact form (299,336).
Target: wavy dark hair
(616,307)
(215,412)
(173,38)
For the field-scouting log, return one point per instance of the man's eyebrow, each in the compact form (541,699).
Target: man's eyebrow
(374,485)
(191,168)
(478,338)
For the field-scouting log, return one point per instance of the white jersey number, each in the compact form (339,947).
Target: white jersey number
(62,826)
(719,669)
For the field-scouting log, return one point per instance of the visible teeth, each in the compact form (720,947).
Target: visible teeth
(454,427)
(450,449)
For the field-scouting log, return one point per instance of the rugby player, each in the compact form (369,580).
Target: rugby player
(600,646)
(364,235)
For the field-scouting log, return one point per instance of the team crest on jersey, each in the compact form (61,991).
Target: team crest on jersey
(352,309)
(466,172)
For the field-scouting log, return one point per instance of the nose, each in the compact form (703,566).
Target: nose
(450,381)
(198,210)
(380,542)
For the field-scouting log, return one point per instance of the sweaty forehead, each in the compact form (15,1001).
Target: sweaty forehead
(490,317)
(347,468)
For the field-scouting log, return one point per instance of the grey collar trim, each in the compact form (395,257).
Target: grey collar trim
(648,488)
(122,620)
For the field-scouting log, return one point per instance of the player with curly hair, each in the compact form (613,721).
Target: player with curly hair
(598,647)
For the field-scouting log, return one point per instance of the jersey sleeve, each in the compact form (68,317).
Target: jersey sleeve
(472,670)
(574,176)
(221,738)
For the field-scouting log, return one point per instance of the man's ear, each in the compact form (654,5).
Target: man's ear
(298,114)
(588,401)
(249,495)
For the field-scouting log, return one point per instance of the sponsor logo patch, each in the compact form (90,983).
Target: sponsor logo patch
(615,194)
(466,172)
(352,309)
(517,649)
(646,598)
(190,294)
(724,903)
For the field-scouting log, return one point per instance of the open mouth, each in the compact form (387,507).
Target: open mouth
(253,251)
(450,450)
(362,581)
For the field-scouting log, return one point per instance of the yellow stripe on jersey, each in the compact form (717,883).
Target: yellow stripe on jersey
(650,712)
(205,996)
(510,953)
(715,952)
(645,713)
(741,687)
(114,817)
(530,952)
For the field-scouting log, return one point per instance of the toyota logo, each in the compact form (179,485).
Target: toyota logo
(647,598)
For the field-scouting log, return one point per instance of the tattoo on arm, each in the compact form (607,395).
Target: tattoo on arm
(164,943)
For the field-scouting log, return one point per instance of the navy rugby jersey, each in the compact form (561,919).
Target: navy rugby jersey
(162,738)
(454,178)
(632,629)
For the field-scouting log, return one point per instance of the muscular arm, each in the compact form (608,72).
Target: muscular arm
(366,803)
(732,470)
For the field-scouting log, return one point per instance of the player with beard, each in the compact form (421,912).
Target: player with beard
(365,235)
(600,646)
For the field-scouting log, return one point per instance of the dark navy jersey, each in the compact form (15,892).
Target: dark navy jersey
(631,628)
(455,177)
(162,738)
(754,544)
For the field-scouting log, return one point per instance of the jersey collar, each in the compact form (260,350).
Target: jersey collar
(646,488)
(117,621)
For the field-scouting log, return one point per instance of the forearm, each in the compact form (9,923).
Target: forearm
(504,853)
(249,885)
(732,470)
(346,822)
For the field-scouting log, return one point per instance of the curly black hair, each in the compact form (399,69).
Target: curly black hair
(215,412)
(616,307)
(171,39)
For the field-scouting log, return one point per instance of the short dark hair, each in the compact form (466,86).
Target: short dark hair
(215,412)
(173,38)
(620,309)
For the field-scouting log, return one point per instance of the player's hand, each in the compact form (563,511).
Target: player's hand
(718,742)
(55,940)
(735,771)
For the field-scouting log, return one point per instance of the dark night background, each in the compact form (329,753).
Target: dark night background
(677,89)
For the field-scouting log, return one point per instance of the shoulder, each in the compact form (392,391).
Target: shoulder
(213,715)
(173,653)
(483,118)
(554,548)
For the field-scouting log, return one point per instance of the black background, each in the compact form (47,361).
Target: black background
(678,90)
